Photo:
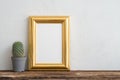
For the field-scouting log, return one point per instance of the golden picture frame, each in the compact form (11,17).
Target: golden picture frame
(49,43)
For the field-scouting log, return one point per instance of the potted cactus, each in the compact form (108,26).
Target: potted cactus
(18,58)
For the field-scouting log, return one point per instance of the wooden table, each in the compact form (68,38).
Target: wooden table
(60,75)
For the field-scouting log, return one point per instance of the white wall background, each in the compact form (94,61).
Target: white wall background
(95,30)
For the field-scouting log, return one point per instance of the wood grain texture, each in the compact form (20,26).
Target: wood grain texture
(60,75)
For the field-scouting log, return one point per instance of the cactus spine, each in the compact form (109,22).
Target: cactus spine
(17,49)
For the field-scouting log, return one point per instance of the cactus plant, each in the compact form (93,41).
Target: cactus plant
(17,49)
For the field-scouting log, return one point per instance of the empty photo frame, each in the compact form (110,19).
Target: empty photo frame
(49,43)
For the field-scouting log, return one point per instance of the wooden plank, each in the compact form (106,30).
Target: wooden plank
(60,75)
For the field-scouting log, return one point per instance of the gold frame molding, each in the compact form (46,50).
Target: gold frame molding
(64,20)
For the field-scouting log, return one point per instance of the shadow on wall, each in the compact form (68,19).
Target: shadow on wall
(7,63)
